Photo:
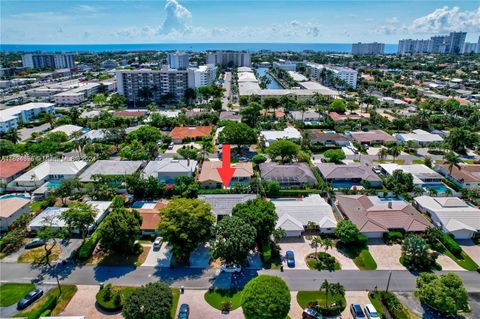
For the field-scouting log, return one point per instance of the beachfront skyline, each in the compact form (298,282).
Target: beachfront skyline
(174,21)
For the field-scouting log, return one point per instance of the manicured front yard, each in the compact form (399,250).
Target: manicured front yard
(304,298)
(11,293)
(465,261)
(324,261)
(53,300)
(215,298)
(36,254)
(100,257)
(360,256)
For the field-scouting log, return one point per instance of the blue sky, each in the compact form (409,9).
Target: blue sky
(168,21)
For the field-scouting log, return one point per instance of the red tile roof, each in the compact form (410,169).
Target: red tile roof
(150,217)
(181,132)
(9,168)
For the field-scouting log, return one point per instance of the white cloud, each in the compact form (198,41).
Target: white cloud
(84,8)
(177,19)
(446,20)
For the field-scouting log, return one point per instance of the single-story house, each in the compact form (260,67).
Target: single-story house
(451,214)
(336,117)
(150,217)
(327,138)
(50,171)
(372,137)
(346,176)
(288,175)
(222,204)
(94,135)
(68,129)
(11,208)
(294,214)
(230,116)
(210,178)
(290,133)
(419,137)
(375,216)
(11,169)
(110,168)
(468,176)
(181,133)
(306,116)
(51,216)
(421,174)
(167,169)
(127,113)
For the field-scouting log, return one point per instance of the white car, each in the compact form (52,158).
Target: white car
(233,268)
(371,312)
(157,243)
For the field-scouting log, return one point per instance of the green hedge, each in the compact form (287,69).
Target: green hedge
(451,245)
(109,299)
(266,252)
(393,237)
(88,246)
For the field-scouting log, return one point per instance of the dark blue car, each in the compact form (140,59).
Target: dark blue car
(184,311)
(290,256)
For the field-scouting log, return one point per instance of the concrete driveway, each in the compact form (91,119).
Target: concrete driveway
(83,303)
(295,310)
(200,257)
(199,308)
(359,297)
(300,247)
(67,248)
(159,257)
(387,257)
(448,263)
(470,249)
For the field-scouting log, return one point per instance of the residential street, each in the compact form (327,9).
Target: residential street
(353,280)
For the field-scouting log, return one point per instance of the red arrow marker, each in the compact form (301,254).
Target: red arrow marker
(226,172)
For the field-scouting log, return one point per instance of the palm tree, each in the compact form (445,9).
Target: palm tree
(12,135)
(432,192)
(316,242)
(453,160)
(327,287)
(395,151)
(382,154)
(448,192)
(327,244)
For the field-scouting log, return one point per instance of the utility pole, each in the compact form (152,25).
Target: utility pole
(388,282)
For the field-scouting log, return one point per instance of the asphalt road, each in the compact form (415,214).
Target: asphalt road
(353,280)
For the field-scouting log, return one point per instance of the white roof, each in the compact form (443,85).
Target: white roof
(288,133)
(100,206)
(247,77)
(110,168)
(49,217)
(419,136)
(294,214)
(52,168)
(169,165)
(94,135)
(12,112)
(68,129)
(170,114)
(419,171)
(297,76)
(452,212)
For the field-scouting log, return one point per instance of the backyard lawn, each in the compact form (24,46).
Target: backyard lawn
(215,298)
(12,293)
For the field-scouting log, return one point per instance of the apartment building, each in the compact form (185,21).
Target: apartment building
(159,82)
(11,117)
(202,76)
(77,95)
(229,58)
(368,48)
(178,60)
(452,43)
(410,46)
(346,74)
(48,60)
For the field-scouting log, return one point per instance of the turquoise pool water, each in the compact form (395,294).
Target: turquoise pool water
(440,188)
(13,196)
(345,184)
(53,184)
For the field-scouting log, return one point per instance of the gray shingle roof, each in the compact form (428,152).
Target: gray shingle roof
(223,204)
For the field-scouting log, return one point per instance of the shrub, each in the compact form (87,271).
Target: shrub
(50,304)
(227,305)
(258,159)
(361,240)
(266,252)
(46,313)
(393,237)
(108,299)
(88,246)
(451,245)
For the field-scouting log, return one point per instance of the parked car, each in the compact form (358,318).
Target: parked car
(370,311)
(357,311)
(34,243)
(184,311)
(157,243)
(310,313)
(170,146)
(29,299)
(231,268)
(290,257)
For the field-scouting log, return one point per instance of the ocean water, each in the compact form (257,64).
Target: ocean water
(195,47)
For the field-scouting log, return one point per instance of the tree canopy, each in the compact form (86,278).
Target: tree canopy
(119,230)
(234,239)
(152,301)
(237,134)
(347,231)
(335,156)
(266,297)
(285,149)
(400,182)
(79,216)
(184,224)
(260,214)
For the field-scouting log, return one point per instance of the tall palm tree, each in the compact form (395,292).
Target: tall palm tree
(395,151)
(327,244)
(327,287)
(12,135)
(382,154)
(316,242)
(452,160)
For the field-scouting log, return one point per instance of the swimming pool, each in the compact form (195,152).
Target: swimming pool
(53,184)
(439,187)
(344,185)
(14,196)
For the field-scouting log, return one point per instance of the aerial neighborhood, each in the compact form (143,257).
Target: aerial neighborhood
(241,184)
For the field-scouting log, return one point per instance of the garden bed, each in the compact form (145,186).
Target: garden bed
(307,298)
(216,298)
(323,261)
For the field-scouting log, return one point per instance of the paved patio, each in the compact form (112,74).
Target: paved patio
(199,308)
(83,303)
(387,257)
(448,263)
(471,249)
